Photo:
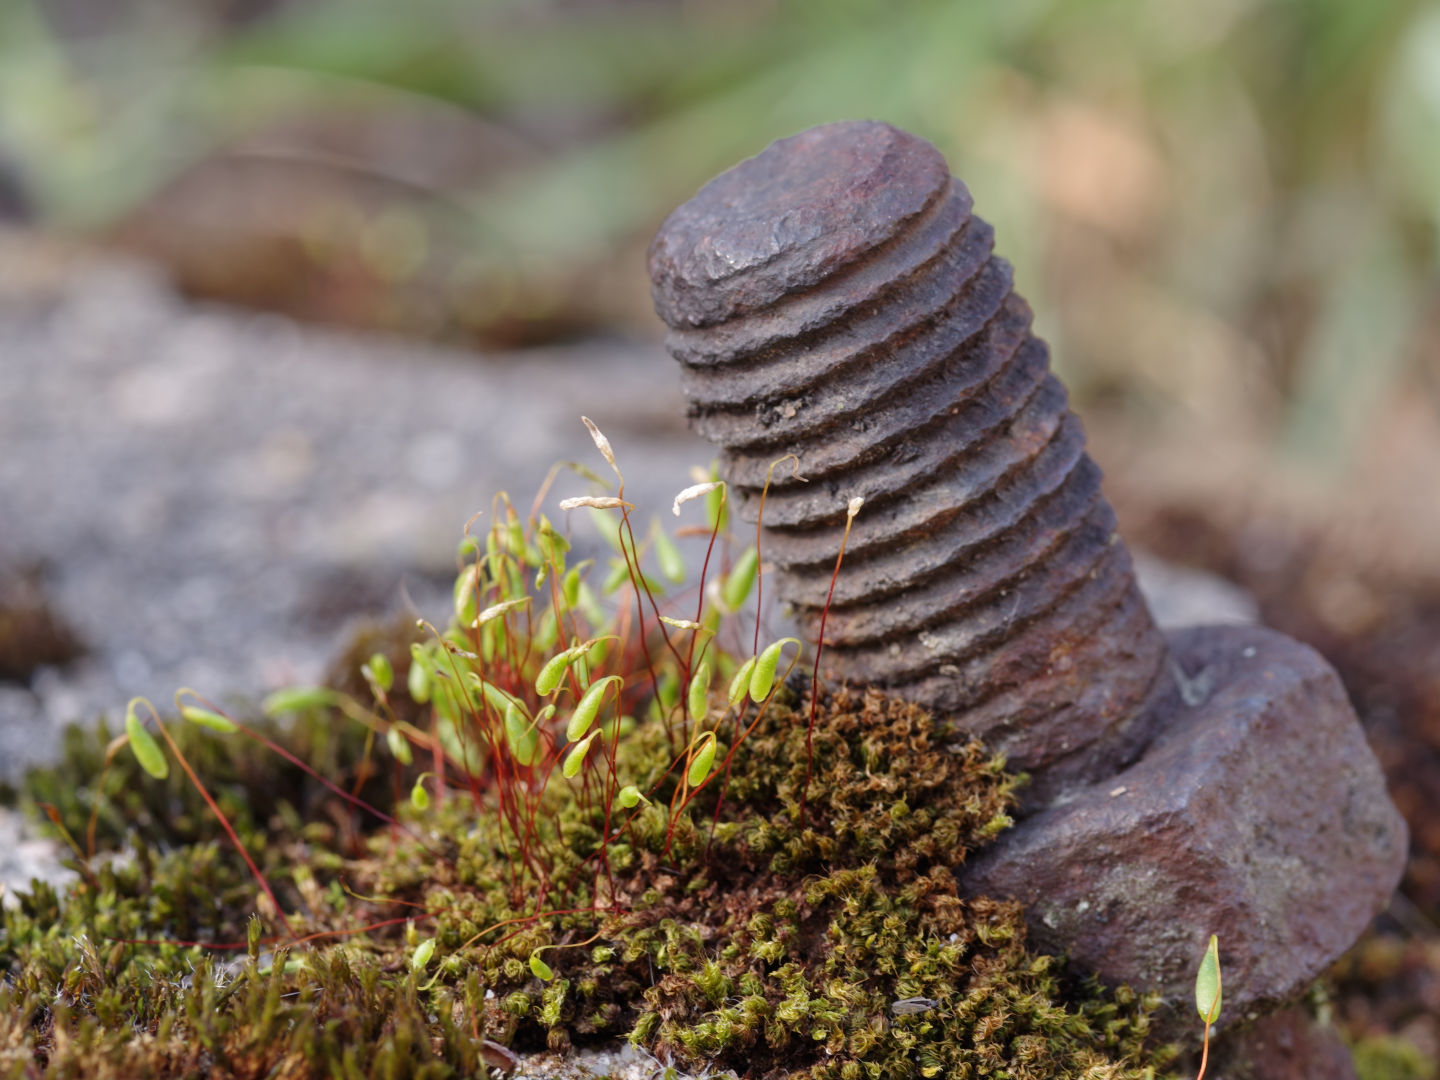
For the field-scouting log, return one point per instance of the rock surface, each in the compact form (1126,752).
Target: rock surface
(1288,1045)
(218,495)
(1258,814)
(26,856)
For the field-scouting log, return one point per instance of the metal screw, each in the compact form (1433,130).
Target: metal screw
(835,298)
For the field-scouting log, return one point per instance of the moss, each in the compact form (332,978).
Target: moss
(266,797)
(720,882)
(1388,1057)
(829,943)
(1379,1000)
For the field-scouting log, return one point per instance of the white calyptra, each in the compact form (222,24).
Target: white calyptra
(603,445)
(597,502)
(695,491)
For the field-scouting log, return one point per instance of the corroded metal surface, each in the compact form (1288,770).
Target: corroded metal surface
(1258,812)
(836,299)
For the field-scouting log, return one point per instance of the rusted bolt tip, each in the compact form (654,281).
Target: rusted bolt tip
(835,298)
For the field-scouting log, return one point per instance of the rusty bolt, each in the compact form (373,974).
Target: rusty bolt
(836,299)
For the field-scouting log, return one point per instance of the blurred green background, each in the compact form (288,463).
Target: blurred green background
(1224,211)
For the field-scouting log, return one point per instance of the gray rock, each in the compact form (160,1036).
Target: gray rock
(26,857)
(219,495)
(1180,596)
(27,737)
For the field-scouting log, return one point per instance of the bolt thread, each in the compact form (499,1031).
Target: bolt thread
(984,576)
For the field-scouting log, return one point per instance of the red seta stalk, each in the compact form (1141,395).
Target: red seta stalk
(852,509)
(224,821)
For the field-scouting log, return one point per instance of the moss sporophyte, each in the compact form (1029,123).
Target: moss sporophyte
(560,820)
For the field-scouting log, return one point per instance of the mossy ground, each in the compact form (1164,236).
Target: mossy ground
(839,947)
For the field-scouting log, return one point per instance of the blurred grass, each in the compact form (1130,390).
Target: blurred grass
(1224,212)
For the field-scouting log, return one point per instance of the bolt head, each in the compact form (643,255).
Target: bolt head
(797,213)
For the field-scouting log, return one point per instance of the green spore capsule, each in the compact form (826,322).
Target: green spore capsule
(208,718)
(742,579)
(143,745)
(399,746)
(571,768)
(379,671)
(740,684)
(521,736)
(417,679)
(762,678)
(296,699)
(553,673)
(698,696)
(703,761)
(588,707)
